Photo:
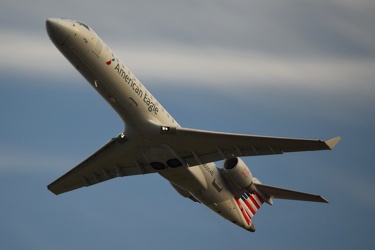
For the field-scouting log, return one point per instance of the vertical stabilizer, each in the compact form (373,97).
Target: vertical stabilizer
(249,204)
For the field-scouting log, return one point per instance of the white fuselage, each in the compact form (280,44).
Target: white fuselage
(141,112)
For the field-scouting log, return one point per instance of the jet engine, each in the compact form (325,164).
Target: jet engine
(236,171)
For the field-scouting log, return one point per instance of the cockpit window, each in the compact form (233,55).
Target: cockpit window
(84,25)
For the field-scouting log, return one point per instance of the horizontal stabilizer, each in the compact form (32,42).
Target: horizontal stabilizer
(280,193)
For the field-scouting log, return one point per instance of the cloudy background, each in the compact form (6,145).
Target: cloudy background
(279,68)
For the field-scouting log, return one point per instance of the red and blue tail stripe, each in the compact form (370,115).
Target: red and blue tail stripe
(249,204)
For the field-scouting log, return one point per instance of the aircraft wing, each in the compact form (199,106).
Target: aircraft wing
(198,146)
(119,157)
(124,157)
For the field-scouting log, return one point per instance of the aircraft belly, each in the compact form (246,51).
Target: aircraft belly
(228,210)
(205,184)
(190,179)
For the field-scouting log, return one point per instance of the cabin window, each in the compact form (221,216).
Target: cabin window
(84,25)
(98,47)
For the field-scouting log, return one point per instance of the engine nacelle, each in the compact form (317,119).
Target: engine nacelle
(236,171)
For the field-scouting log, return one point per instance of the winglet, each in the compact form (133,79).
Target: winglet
(332,143)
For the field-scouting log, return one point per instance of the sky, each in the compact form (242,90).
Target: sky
(287,68)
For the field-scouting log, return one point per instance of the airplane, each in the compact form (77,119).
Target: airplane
(153,142)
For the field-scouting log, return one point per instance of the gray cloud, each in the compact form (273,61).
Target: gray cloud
(289,28)
(284,41)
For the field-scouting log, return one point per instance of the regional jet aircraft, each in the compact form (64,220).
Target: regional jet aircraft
(153,142)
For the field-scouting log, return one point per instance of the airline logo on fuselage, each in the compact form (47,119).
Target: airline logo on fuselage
(110,61)
(132,83)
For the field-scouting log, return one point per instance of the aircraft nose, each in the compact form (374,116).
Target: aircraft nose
(52,25)
(56,31)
